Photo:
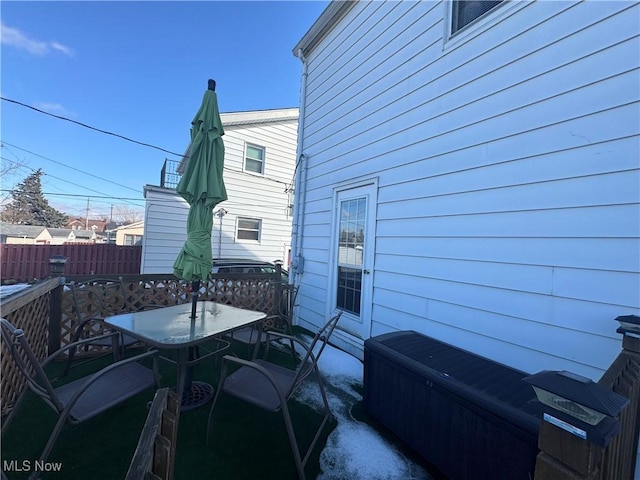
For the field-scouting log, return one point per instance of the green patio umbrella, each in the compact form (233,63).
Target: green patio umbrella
(202,186)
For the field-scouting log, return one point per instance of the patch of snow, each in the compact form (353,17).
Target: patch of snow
(354,449)
(6,290)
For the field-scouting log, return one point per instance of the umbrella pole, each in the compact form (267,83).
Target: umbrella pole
(195,289)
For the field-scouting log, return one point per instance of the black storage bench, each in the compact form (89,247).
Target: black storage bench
(470,417)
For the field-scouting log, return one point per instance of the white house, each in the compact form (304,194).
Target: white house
(24,234)
(472,174)
(130,234)
(255,221)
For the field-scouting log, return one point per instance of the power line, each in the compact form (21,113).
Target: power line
(4,142)
(65,165)
(90,127)
(71,183)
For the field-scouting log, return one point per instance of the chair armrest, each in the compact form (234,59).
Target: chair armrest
(82,325)
(242,362)
(69,346)
(284,336)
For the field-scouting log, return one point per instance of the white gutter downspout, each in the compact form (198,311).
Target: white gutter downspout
(297,260)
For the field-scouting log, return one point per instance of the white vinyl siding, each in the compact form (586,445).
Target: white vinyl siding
(249,196)
(508,209)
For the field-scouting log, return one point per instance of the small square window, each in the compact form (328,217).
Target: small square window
(464,12)
(248,229)
(254,159)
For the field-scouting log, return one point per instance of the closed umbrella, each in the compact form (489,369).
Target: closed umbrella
(202,186)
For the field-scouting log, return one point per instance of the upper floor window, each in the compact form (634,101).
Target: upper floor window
(254,159)
(464,12)
(248,229)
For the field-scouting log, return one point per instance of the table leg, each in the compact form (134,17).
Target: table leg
(194,394)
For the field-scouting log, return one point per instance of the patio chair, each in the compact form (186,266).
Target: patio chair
(84,398)
(93,300)
(253,337)
(270,386)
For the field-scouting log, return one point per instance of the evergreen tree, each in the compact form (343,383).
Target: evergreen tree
(29,207)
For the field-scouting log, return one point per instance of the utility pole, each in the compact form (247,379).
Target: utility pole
(86,222)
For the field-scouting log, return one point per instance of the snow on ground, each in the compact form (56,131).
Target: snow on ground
(6,290)
(354,450)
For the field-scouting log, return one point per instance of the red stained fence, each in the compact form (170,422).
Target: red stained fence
(24,263)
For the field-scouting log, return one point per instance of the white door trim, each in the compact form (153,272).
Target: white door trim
(359,326)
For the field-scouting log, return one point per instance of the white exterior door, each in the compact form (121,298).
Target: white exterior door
(351,278)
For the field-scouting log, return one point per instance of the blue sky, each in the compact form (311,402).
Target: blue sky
(137,69)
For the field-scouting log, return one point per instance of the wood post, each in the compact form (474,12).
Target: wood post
(564,456)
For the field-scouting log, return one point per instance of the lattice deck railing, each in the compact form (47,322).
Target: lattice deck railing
(49,316)
(29,310)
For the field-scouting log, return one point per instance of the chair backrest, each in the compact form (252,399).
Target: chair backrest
(290,294)
(316,347)
(28,364)
(98,297)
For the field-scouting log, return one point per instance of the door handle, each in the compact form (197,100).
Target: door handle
(366,272)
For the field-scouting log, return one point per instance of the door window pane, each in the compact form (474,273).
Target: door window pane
(349,289)
(350,251)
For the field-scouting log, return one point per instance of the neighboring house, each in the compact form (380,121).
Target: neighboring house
(255,221)
(61,236)
(80,223)
(472,174)
(39,235)
(24,234)
(130,234)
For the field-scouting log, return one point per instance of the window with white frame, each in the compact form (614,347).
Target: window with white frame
(464,12)
(254,158)
(248,229)
(132,239)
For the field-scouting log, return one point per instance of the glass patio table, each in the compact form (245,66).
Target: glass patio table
(172,328)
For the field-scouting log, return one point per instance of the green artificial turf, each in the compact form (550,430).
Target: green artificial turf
(246,442)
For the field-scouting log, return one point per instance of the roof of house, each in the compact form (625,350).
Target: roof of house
(322,26)
(131,225)
(99,223)
(251,117)
(28,231)
(231,119)
(65,232)
(84,233)
(60,232)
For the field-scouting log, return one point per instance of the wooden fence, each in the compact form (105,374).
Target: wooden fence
(26,263)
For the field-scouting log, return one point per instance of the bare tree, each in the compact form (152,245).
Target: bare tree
(126,215)
(8,170)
